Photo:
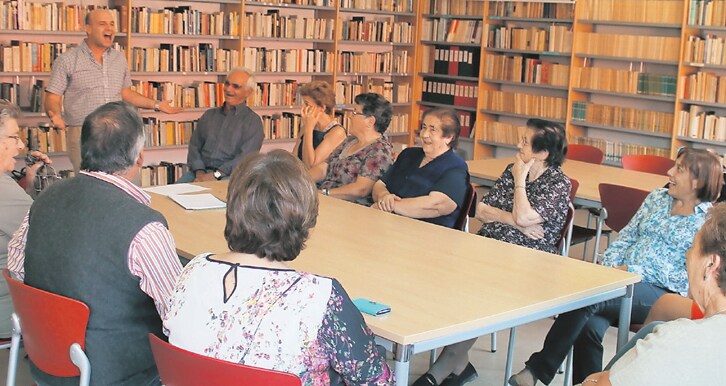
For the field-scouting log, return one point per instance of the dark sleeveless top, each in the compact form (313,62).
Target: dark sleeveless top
(318,137)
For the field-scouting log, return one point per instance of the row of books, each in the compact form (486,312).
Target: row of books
(641,11)
(701,124)
(451,60)
(452,30)
(709,49)
(10,92)
(35,98)
(195,95)
(624,81)
(705,87)
(313,3)
(707,13)
(281,126)
(272,24)
(44,139)
(379,5)
(501,132)
(383,30)
(450,92)
(262,59)
(395,62)
(454,7)
(283,93)
(52,16)
(183,58)
(625,117)
(531,10)
(31,57)
(394,92)
(167,133)
(614,151)
(182,20)
(526,70)
(555,38)
(525,104)
(629,46)
(165,173)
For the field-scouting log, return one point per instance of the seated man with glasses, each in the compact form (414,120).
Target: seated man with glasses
(226,134)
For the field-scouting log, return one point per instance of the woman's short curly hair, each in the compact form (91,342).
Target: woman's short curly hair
(272,204)
(321,92)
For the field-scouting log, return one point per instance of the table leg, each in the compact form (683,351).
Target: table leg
(626,306)
(402,356)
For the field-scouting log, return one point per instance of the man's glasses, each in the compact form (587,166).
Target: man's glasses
(353,112)
(234,85)
(15,137)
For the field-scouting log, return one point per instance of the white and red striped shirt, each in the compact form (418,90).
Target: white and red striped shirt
(152,253)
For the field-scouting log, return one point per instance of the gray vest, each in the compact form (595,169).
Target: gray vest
(78,242)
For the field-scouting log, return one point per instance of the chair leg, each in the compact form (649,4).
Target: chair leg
(598,233)
(79,358)
(432,357)
(494,342)
(510,355)
(14,348)
(568,369)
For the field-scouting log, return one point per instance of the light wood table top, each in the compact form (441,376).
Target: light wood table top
(443,285)
(486,172)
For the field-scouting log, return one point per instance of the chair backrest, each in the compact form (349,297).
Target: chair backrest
(648,163)
(466,209)
(179,367)
(563,245)
(620,204)
(50,324)
(585,153)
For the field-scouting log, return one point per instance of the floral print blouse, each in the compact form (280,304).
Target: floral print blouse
(654,243)
(371,162)
(283,320)
(549,195)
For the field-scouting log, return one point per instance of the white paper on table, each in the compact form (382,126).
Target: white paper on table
(168,190)
(198,201)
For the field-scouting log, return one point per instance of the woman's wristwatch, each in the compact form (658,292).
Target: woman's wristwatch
(326,192)
(157,106)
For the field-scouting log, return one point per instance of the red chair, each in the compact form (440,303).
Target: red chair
(585,153)
(53,331)
(179,367)
(619,205)
(648,163)
(462,222)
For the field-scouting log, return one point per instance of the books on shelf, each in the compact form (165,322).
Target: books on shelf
(281,93)
(708,49)
(394,92)
(516,68)
(663,48)
(183,20)
(454,7)
(272,24)
(395,62)
(167,133)
(614,151)
(555,38)
(640,11)
(625,117)
(32,57)
(624,81)
(699,123)
(707,13)
(379,5)
(44,139)
(450,92)
(452,30)
(169,57)
(52,16)
(195,95)
(501,132)
(526,105)
(281,126)
(380,29)
(704,87)
(451,60)
(165,173)
(531,10)
(262,59)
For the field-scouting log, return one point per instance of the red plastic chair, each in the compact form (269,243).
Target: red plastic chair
(462,222)
(648,163)
(585,153)
(619,204)
(53,331)
(179,367)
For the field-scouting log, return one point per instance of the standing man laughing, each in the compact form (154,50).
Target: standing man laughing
(89,76)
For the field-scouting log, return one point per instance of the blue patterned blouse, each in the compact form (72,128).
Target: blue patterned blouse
(654,243)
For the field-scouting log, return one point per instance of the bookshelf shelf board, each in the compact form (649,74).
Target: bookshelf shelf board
(703,141)
(707,66)
(8,73)
(530,20)
(438,43)
(376,12)
(708,27)
(172,73)
(266,39)
(457,17)
(433,104)
(497,144)
(624,59)
(274,108)
(387,134)
(366,43)
(450,77)
(185,36)
(146,112)
(630,24)
(657,98)
(33,114)
(267,73)
(166,147)
(45,33)
(280,140)
(373,74)
(285,5)
(523,84)
(523,116)
(51,154)
(705,104)
(347,106)
(529,52)
(620,129)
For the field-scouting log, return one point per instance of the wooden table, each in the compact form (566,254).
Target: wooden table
(486,172)
(443,286)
